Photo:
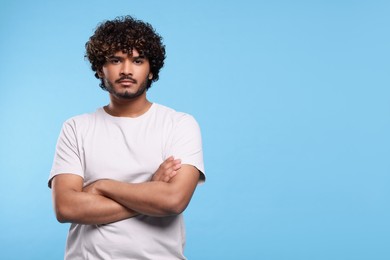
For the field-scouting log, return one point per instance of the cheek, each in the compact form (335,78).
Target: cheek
(109,72)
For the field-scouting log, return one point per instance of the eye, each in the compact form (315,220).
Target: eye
(138,61)
(114,60)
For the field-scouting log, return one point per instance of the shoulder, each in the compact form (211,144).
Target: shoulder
(179,124)
(82,121)
(173,116)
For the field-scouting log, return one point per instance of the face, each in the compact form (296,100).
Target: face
(126,75)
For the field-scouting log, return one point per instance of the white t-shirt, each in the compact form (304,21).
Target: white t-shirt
(100,146)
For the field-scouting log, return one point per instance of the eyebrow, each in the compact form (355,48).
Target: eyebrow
(139,57)
(120,57)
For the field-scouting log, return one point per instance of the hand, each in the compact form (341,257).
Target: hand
(167,170)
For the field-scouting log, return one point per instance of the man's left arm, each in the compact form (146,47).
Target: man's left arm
(154,198)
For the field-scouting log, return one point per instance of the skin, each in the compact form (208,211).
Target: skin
(157,199)
(167,193)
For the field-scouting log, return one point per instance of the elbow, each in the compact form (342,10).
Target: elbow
(61,217)
(176,210)
(62,214)
(177,205)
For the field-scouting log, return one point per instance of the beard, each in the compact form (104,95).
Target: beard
(109,86)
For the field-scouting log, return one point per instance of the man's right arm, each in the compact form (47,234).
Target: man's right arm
(73,205)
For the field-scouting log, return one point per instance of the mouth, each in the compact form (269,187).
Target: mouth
(126,81)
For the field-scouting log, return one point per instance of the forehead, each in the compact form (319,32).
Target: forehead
(133,53)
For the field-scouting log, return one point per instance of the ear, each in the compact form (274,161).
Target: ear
(100,73)
(150,77)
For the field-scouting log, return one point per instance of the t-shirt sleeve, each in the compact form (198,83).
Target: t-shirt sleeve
(187,144)
(67,158)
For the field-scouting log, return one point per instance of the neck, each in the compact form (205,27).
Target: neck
(121,107)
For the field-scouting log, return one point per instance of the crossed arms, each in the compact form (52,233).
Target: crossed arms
(106,201)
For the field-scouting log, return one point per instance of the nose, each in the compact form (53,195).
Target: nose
(126,68)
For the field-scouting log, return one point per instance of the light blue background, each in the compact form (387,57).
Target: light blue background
(292,97)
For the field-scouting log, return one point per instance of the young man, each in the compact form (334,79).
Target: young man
(123,175)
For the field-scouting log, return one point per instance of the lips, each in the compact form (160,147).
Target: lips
(126,81)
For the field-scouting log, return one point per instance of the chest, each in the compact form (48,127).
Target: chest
(124,153)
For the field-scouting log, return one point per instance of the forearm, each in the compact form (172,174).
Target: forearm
(75,205)
(153,198)
(150,198)
(84,208)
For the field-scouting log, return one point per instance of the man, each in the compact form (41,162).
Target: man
(124,174)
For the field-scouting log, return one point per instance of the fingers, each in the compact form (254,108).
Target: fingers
(170,168)
(167,170)
(170,165)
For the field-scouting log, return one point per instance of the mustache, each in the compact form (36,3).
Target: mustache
(127,78)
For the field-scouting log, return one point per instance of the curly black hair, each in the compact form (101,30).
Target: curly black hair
(125,33)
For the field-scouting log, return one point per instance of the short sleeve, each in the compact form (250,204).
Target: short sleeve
(67,157)
(186,143)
